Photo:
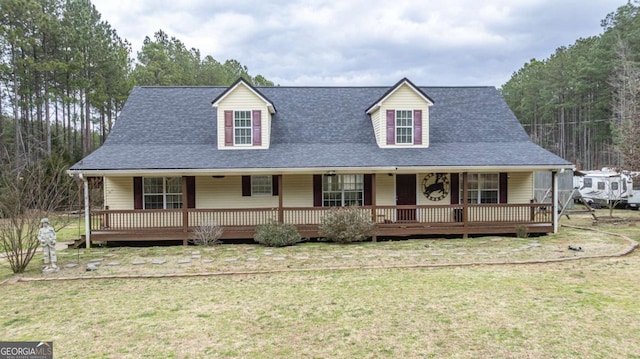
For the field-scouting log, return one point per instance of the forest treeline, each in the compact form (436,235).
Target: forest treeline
(65,74)
(582,103)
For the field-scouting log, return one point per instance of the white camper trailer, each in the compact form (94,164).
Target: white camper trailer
(634,200)
(604,187)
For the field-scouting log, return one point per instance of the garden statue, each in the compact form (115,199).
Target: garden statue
(47,238)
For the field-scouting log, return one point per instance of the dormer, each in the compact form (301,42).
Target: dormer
(244,117)
(401,117)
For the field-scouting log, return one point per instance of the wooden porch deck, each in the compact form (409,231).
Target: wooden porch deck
(390,221)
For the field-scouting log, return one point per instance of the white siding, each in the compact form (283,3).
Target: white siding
(379,128)
(243,99)
(118,193)
(520,187)
(423,200)
(404,98)
(385,190)
(297,190)
(227,193)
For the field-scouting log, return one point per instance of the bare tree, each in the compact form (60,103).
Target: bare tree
(30,191)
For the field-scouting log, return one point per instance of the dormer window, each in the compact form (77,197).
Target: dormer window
(404,127)
(401,117)
(242,128)
(244,117)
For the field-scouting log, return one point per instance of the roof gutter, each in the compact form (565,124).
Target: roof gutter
(316,170)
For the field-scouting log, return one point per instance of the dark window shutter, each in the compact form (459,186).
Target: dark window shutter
(368,189)
(228,128)
(391,127)
(274,185)
(246,186)
(257,127)
(417,127)
(191,192)
(503,187)
(455,188)
(317,190)
(137,193)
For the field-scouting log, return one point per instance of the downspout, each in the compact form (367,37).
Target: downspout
(554,198)
(87,214)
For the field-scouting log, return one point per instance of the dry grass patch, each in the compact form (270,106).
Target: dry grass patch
(584,309)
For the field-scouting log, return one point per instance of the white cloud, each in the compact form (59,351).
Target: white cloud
(313,42)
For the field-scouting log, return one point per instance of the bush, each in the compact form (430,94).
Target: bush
(207,234)
(521,232)
(277,234)
(345,225)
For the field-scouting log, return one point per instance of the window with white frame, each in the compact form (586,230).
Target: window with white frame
(404,127)
(483,187)
(261,185)
(342,190)
(242,127)
(162,192)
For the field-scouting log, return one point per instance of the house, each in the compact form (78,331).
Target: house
(418,160)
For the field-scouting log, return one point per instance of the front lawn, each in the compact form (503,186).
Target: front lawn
(576,309)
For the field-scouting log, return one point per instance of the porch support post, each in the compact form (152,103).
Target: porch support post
(465,204)
(554,200)
(185,212)
(87,213)
(374,210)
(280,201)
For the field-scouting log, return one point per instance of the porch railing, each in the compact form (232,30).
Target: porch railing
(131,220)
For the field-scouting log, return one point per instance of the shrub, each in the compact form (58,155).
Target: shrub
(207,234)
(277,234)
(521,232)
(344,225)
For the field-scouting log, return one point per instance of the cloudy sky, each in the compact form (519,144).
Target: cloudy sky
(366,42)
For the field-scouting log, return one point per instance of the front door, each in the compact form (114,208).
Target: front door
(406,196)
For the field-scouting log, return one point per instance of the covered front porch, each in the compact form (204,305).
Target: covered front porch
(461,217)
(178,224)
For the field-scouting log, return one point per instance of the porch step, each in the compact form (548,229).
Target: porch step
(77,243)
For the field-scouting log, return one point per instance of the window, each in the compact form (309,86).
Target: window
(404,127)
(483,187)
(242,127)
(342,190)
(261,185)
(587,183)
(162,192)
(614,186)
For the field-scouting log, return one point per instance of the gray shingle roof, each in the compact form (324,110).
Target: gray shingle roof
(175,128)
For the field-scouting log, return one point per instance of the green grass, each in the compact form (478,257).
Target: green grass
(575,309)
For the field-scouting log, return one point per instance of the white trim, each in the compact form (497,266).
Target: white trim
(269,105)
(250,144)
(269,193)
(314,170)
(412,127)
(164,192)
(378,104)
(342,191)
(87,211)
